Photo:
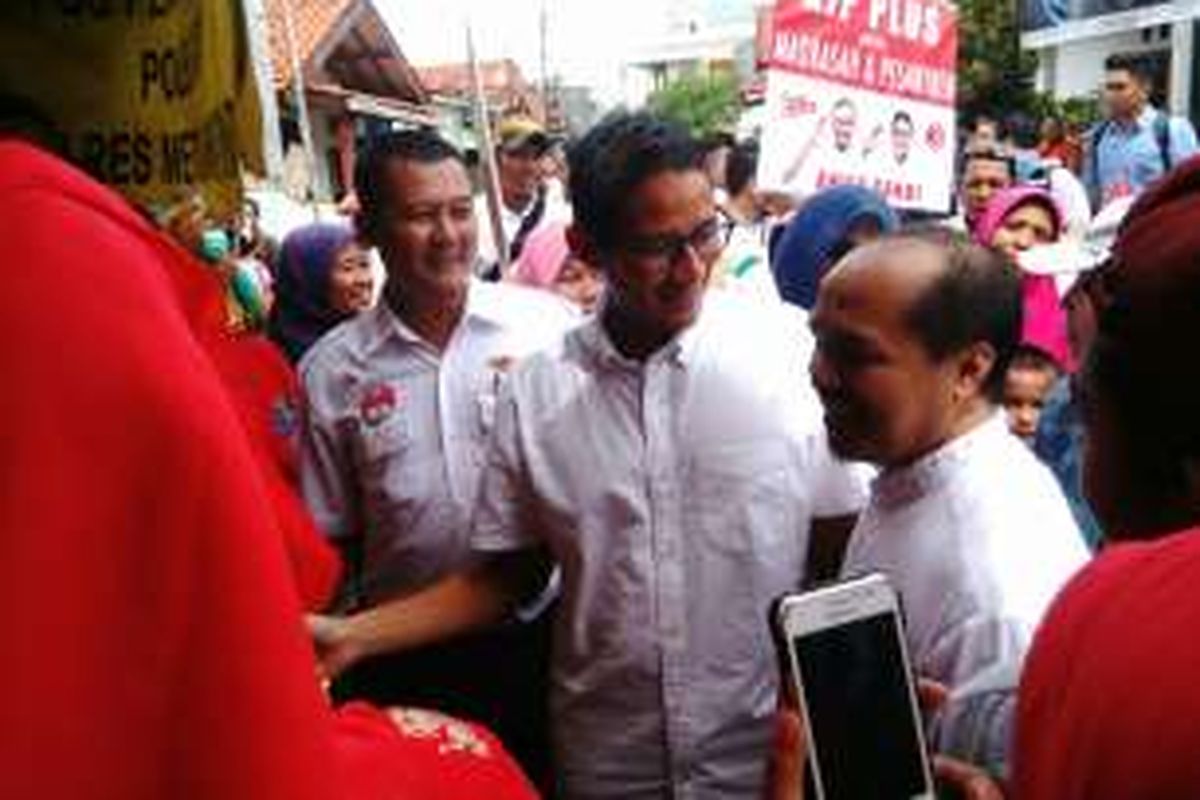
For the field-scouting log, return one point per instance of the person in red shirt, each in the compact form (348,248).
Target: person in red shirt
(1059,145)
(1108,705)
(154,645)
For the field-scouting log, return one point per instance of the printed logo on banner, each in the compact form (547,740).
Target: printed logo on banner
(862,92)
(935,137)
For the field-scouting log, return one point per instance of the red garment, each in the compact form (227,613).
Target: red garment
(1064,151)
(435,758)
(1109,703)
(266,393)
(153,646)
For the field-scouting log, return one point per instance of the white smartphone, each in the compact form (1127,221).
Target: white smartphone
(845,653)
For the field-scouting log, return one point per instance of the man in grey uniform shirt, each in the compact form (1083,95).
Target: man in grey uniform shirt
(400,402)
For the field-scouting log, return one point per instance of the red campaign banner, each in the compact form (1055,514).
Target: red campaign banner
(902,48)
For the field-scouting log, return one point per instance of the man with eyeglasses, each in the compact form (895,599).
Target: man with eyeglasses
(668,456)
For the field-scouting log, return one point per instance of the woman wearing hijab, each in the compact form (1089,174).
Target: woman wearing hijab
(154,646)
(1015,220)
(832,223)
(323,278)
(546,262)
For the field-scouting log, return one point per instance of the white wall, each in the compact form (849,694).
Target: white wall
(1079,66)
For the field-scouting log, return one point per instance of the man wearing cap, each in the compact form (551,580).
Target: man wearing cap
(524,204)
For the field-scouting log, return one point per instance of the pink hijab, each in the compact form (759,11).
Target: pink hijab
(1009,200)
(1045,321)
(543,256)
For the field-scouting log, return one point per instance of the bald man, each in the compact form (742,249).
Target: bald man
(913,341)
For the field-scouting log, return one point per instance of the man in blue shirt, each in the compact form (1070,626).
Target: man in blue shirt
(1137,143)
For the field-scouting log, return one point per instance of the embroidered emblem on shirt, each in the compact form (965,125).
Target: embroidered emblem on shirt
(451,735)
(285,418)
(378,402)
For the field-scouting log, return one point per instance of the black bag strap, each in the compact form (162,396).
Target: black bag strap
(528,224)
(1162,135)
(1093,188)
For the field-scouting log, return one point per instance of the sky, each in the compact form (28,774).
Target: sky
(587,40)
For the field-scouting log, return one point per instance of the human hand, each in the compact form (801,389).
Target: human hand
(789,754)
(965,781)
(334,642)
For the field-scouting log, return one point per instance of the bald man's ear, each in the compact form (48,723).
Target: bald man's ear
(975,366)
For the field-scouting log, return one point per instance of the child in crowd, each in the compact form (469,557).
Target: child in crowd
(1031,376)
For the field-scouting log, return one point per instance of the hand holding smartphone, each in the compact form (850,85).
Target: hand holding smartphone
(844,656)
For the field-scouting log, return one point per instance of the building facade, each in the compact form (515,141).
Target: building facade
(355,79)
(1073,38)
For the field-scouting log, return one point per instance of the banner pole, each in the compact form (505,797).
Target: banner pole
(491,177)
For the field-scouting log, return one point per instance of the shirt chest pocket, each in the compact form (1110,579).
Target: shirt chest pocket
(743,497)
(390,463)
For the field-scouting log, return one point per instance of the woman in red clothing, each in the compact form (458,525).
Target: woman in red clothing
(1059,144)
(153,641)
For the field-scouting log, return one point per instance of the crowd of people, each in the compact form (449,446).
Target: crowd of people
(509,522)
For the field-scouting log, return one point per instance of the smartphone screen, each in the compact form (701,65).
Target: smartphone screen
(859,708)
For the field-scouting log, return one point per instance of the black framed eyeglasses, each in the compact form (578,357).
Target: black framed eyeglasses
(706,240)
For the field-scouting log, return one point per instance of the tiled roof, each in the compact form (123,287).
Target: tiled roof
(454,79)
(344,43)
(311,20)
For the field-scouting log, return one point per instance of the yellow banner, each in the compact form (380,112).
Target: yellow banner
(156,98)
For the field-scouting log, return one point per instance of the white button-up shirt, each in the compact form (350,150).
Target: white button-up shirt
(395,431)
(676,496)
(977,539)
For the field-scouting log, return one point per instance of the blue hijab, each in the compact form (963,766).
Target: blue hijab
(302,312)
(817,233)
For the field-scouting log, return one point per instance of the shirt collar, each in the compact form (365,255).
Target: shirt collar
(482,307)
(682,350)
(903,485)
(484,304)
(520,213)
(1143,122)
